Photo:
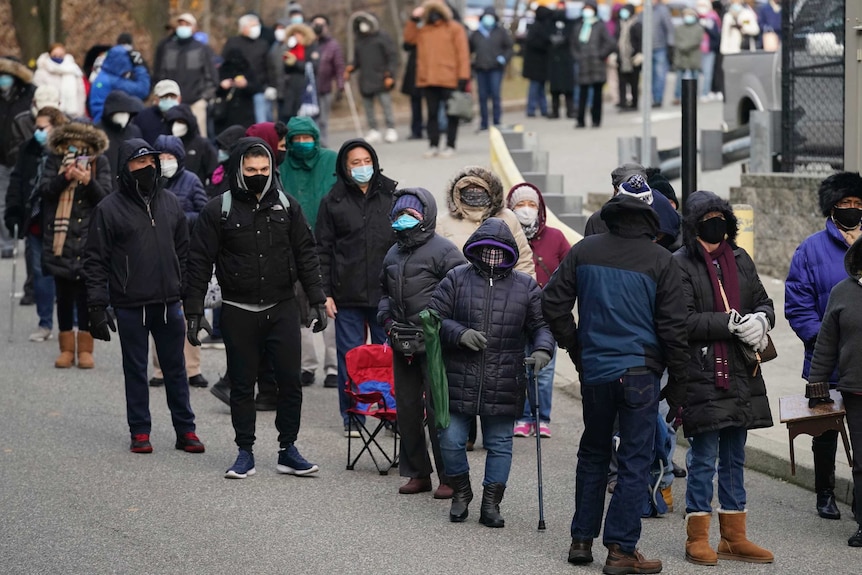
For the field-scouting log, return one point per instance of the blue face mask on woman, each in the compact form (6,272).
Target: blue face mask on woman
(6,81)
(362,174)
(488,21)
(404,222)
(41,136)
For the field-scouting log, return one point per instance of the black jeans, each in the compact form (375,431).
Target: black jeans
(413,397)
(628,84)
(416,114)
(249,338)
(596,109)
(853,408)
(433,97)
(71,297)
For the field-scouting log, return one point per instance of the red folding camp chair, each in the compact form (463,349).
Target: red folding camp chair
(371,390)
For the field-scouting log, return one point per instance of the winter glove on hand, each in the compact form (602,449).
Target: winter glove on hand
(136,58)
(762,344)
(542,359)
(462,85)
(613,60)
(675,394)
(271,93)
(752,328)
(102,323)
(317,318)
(195,323)
(638,60)
(472,339)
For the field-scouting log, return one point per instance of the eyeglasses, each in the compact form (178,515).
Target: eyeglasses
(849,203)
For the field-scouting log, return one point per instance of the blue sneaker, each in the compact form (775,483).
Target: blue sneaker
(243,467)
(292,463)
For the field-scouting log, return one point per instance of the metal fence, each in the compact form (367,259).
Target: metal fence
(813,85)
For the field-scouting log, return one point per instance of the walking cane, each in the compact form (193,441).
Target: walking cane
(348,90)
(533,382)
(12,289)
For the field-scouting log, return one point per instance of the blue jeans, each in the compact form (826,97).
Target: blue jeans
(496,439)
(680,76)
(634,398)
(262,108)
(489,82)
(728,446)
(663,410)
(707,65)
(133,326)
(351,330)
(546,390)
(43,286)
(659,74)
(536,98)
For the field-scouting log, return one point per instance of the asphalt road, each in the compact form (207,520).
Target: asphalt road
(74,500)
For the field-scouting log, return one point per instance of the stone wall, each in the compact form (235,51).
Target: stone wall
(786,211)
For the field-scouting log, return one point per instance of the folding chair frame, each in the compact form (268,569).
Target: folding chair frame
(369,439)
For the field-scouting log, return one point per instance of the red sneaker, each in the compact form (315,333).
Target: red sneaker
(141,443)
(189,443)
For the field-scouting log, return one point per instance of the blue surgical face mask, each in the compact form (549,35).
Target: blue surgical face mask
(404,222)
(488,21)
(588,13)
(362,174)
(6,81)
(624,14)
(166,104)
(223,156)
(689,19)
(296,19)
(41,136)
(184,32)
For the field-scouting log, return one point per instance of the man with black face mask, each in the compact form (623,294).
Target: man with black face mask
(258,238)
(135,258)
(816,267)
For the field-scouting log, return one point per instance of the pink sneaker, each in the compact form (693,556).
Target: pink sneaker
(523,429)
(544,429)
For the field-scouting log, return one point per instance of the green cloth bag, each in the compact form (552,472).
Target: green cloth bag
(436,368)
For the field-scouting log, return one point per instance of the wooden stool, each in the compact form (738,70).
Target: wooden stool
(794,411)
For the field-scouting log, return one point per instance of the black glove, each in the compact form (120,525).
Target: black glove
(195,323)
(102,323)
(317,318)
(670,55)
(472,339)
(675,395)
(136,58)
(462,85)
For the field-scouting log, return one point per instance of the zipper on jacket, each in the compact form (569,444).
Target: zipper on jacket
(401,285)
(485,325)
(150,213)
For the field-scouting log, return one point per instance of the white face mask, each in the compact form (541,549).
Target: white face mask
(121,119)
(254,32)
(364,27)
(280,34)
(179,129)
(169,168)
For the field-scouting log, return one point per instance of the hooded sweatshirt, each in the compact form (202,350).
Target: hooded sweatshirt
(118,73)
(184,185)
(201,155)
(119,101)
(12,103)
(308,176)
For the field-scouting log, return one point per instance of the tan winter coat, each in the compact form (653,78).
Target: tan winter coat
(442,50)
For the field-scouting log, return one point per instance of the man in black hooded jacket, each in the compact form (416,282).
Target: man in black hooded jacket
(260,243)
(135,258)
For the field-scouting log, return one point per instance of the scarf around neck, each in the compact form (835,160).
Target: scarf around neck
(722,260)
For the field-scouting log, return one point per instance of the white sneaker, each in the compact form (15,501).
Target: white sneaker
(431,153)
(705,98)
(447,152)
(41,334)
(373,137)
(391,136)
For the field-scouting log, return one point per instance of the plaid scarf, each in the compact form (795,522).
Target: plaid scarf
(61,217)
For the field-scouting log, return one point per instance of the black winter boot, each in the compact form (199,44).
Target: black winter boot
(570,106)
(825,448)
(555,106)
(461,497)
(489,514)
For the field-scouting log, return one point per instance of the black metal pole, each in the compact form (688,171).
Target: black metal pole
(689,138)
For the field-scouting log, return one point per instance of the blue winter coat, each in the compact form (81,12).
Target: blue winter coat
(117,73)
(506,306)
(816,267)
(186,186)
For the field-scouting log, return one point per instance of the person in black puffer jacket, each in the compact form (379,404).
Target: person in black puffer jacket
(353,235)
(201,155)
(412,270)
(490,313)
(261,246)
(725,396)
(135,259)
(120,110)
(76,177)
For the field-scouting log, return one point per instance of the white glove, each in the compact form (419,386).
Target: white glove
(762,344)
(752,328)
(613,60)
(638,59)
(270,94)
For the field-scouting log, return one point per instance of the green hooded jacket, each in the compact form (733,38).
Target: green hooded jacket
(307,177)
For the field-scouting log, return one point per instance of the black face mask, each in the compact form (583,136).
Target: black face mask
(256,184)
(712,231)
(145,179)
(318,29)
(279,156)
(847,218)
(433,18)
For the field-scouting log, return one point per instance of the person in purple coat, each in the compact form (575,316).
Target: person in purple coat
(816,267)
(550,247)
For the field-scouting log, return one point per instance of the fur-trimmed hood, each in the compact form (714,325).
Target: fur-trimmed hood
(495,189)
(308,35)
(837,187)
(363,16)
(88,139)
(699,204)
(440,8)
(16,69)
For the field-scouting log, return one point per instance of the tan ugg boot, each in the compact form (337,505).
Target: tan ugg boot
(734,545)
(697,548)
(85,350)
(66,358)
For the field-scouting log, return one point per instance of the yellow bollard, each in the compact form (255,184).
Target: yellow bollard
(745,237)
